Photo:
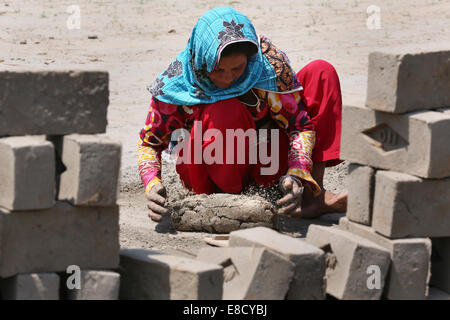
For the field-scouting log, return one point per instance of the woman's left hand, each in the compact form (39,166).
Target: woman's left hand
(291,204)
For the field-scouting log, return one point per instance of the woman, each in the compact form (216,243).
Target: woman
(230,78)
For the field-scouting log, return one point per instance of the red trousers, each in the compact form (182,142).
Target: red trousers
(322,97)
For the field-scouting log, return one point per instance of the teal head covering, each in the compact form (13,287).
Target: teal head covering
(186,81)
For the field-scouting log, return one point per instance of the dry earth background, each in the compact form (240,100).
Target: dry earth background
(135,40)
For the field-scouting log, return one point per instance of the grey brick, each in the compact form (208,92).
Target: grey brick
(251,273)
(93,165)
(414,143)
(309,261)
(50,240)
(361,187)
(349,260)
(53,102)
(407,206)
(410,262)
(149,275)
(34,286)
(96,285)
(404,82)
(27,173)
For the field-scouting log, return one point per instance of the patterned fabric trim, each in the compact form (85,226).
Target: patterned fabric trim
(301,148)
(232,31)
(286,79)
(306,176)
(300,162)
(287,109)
(151,184)
(149,165)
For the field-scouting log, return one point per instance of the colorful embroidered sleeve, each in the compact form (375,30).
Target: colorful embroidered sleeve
(162,120)
(290,114)
(300,162)
(149,164)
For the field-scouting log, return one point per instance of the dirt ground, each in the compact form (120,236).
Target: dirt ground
(135,40)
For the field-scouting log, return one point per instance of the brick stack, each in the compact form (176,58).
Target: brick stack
(257,264)
(398,183)
(58,185)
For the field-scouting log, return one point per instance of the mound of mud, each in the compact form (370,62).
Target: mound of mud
(220,212)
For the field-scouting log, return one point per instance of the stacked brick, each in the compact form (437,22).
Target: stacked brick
(58,186)
(257,264)
(398,216)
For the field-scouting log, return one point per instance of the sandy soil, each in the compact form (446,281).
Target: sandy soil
(136,39)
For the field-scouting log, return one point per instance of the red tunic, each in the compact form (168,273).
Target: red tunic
(313,114)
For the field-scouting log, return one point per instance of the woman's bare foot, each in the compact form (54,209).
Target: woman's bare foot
(327,202)
(336,202)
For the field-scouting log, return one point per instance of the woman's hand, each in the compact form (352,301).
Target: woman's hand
(155,204)
(291,204)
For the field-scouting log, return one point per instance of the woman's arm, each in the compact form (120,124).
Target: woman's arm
(289,112)
(162,119)
(149,165)
(300,162)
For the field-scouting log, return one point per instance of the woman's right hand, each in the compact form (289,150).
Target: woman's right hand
(155,202)
(291,204)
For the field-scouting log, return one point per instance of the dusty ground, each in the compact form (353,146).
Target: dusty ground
(136,39)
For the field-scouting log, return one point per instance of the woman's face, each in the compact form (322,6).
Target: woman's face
(228,69)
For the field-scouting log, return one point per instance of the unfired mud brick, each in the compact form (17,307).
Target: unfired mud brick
(349,259)
(95,285)
(92,170)
(251,273)
(400,83)
(53,102)
(50,240)
(27,173)
(404,282)
(407,206)
(361,186)
(309,261)
(415,143)
(30,286)
(151,275)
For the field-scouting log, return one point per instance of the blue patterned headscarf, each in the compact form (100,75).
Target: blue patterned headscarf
(186,81)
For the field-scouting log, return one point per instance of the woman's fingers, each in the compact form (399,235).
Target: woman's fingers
(290,204)
(291,196)
(155,217)
(295,188)
(287,185)
(289,208)
(156,199)
(152,196)
(156,208)
(286,199)
(159,189)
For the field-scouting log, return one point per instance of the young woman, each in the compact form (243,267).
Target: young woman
(229,78)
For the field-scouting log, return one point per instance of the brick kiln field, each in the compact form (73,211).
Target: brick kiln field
(131,40)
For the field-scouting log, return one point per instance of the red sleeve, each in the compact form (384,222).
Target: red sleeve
(162,119)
